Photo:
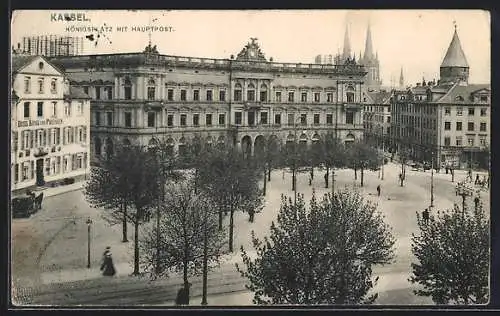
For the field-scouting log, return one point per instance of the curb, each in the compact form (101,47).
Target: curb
(59,193)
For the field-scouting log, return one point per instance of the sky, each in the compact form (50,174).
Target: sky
(415,40)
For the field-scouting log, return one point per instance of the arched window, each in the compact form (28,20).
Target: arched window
(350,94)
(151,89)
(237,92)
(251,92)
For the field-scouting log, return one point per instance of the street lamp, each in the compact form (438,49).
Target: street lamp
(89,223)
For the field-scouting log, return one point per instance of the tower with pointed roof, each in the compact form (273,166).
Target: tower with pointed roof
(346,54)
(454,68)
(371,62)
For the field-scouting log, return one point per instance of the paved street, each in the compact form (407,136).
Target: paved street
(49,249)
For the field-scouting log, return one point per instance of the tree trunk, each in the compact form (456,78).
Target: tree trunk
(355,173)
(333,180)
(293,178)
(265,182)
(362,176)
(231,229)
(124,223)
(312,172)
(326,176)
(136,243)
(220,219)
(269,175)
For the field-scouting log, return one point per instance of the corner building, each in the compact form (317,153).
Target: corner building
(140,97)
(50,125)
(447,121)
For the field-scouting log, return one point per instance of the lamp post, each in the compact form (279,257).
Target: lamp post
(432,179)
(205,257)
(89,223)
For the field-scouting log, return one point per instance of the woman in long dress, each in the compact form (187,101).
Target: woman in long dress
(107,266)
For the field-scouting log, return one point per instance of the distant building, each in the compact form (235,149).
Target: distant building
(50,46)
(50,125)
(244,101)
(369,60)
(448,120)
(377,118)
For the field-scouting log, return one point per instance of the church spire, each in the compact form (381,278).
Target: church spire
(347,44)
(368,45)
(401,79)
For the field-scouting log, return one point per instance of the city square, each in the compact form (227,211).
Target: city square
(148,179)
(62,278)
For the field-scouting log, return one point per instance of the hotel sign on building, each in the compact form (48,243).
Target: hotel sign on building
(28,123)
(50,123)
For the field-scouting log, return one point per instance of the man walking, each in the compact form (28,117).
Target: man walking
(476,202)
(477,179)
(378,190)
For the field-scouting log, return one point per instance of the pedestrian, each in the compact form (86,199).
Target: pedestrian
(310,180)
(425,215)
(476,202)
(378,190)
(477,179)
(107,266)
(469,175)
(326,177)
(446,169)
(183,295)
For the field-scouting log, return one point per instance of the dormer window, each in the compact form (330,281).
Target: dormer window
(483,98)
(459,98)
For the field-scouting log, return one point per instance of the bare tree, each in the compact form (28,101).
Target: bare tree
(232,181)
(127,176)
(190,241)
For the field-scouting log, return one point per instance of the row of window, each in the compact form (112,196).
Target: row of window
(41,85)
(49,137)
(377,118)
(377,108)
(470,126)
(414,108)
(209,95)
(471,111)
(107,92)
(209,119)
(470,141)
(52,166)
(52,111)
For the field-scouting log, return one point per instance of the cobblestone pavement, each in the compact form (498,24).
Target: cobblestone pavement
(49,252)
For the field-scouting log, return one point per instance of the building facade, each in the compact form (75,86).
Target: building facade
(242,101)
(448,120)
(50,125)
(377,118)
(50,45)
